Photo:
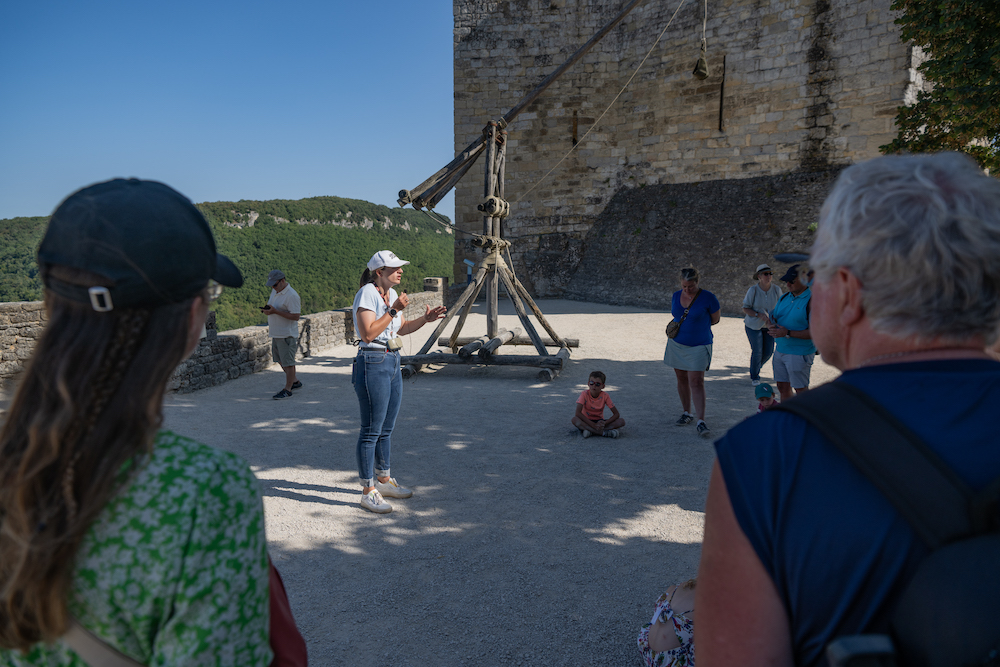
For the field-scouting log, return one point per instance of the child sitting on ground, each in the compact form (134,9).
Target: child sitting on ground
(589,416)
(765,397)
(668,639)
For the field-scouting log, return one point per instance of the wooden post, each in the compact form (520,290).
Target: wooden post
(467,350)
(444,341)
(492,345)
(549,374)
(538,313)
(451,313)
(522,315)
(465,312)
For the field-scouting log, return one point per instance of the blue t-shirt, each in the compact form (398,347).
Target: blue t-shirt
(838,552)
(792,312)
(697,328)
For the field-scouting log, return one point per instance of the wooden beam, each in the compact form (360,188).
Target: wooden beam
(445,341)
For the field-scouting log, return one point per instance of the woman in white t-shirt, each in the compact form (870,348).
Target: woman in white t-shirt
(757,306)
(378,321)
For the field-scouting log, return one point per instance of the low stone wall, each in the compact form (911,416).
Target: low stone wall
(21,323)
(219,357)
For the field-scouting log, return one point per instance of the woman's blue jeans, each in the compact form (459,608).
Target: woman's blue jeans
(761,349)
(379,386)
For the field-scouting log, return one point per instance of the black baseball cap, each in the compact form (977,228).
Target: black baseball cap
(791,274)
(148,240)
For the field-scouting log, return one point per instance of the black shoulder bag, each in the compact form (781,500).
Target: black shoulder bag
(674,327)
(949,612)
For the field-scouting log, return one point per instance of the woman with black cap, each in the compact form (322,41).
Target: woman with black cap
(378,321)
(150,541)
(757,306)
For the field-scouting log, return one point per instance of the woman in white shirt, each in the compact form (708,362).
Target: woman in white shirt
(378,321)
(757,305)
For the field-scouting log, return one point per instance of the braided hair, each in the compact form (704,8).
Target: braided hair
(81,423)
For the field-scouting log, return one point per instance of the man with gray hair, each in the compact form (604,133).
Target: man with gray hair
(801,547)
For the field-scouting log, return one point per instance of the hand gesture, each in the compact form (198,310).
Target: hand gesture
(401,302)
(434,313)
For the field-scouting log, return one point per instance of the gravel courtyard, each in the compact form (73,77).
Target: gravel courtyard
(523,543)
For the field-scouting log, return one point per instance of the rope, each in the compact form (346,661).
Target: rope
(627,83)
(446,225)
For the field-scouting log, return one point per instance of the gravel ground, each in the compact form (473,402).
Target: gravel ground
(523,543)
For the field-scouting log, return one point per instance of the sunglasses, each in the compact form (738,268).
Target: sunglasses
(766,273)
(594,382)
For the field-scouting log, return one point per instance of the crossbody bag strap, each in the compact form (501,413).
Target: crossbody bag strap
(95,651)
(691,305)
(929,495)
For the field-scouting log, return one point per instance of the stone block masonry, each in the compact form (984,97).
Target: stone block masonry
(794,87)
(219,357)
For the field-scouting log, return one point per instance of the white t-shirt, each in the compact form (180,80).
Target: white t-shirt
(762,302)
(369,299)
(287,300)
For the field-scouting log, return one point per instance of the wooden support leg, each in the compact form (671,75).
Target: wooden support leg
(452,343)
(492,306)
(451,313)
(538,313)
(519,307)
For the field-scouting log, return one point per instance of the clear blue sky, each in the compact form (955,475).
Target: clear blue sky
(224,100)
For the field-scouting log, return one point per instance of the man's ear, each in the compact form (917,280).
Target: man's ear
(851,302)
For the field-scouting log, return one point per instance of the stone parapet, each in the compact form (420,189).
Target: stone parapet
(21,323)
(219,357)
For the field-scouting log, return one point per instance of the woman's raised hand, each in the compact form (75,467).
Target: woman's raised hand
(434,313)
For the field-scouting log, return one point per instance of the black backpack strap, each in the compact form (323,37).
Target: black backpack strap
(929,495)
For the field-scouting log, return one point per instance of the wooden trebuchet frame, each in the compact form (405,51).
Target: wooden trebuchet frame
(492,271)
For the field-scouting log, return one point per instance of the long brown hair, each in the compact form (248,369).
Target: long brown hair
(81,422)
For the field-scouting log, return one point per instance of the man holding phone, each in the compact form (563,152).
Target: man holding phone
(283,310)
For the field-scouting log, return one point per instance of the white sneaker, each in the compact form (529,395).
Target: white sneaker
(374,502)
(611,433)
(754,383)
(391,489)
(585,433)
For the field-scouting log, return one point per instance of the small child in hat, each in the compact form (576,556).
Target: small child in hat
(765,397)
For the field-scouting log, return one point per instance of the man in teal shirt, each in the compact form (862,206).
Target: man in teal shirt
(794,350)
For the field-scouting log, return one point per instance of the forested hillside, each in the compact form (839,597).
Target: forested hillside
(321,243)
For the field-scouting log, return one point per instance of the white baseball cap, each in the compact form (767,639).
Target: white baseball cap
(385,258)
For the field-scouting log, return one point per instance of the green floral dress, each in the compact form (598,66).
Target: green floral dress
(174,572)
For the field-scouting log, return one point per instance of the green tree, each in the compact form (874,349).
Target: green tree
(961,39)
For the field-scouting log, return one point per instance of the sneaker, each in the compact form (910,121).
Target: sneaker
(586,434)
(284,393)
(611,433)
(374,502)
(684,420)
(703,430)
(754,383)
(297,385)
(391,489)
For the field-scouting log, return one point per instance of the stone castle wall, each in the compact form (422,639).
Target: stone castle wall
(219,357)
(795,87)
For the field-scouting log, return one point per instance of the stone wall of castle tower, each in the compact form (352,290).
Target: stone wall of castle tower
(809,86)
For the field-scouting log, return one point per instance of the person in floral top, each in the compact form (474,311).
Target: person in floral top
(152,542)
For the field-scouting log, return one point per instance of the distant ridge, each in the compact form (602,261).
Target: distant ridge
(322,243)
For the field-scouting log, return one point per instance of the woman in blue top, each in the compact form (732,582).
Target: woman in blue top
(690,352)
(378,320)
